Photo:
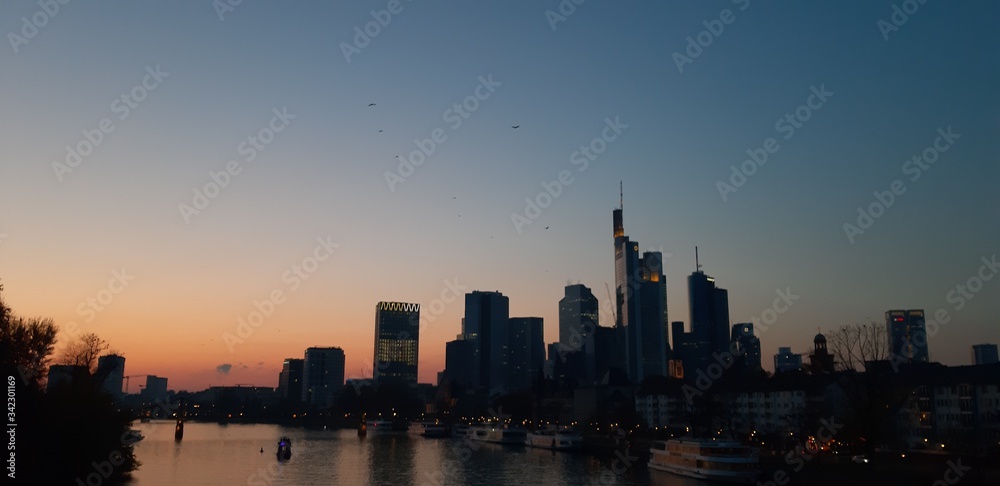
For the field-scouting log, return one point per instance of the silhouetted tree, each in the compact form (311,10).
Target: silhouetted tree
(873,389)
(25,344)
(84,351)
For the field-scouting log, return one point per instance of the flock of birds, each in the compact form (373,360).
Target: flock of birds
(515,127)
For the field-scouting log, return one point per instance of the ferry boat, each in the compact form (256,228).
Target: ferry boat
(284,449)
(498,434)
(559,440)
(460,430)
(713,460)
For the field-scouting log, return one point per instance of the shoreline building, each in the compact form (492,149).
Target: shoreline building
(578,318)
(290,380)
(397,342)
(322,375)
(984,354)
(747,345)
(111,370)
(486,323)
(641,304)
(526,351)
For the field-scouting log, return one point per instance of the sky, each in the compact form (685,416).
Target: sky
(168,168)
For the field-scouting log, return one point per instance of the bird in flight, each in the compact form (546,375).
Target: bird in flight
(515,127)
(546,227)
(371,104)
(380,131)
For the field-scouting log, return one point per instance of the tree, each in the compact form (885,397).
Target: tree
(25,344)
(873,390)
(85,351)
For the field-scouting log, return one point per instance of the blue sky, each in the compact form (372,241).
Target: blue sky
(324,174)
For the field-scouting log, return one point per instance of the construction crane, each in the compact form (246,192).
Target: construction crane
(126,381)
(613,304)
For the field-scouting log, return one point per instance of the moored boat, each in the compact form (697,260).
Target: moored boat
(714,460)
(558,439)
(498,434)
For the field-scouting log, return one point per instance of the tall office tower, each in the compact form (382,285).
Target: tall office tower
(111,368)
(156,388)
(984,354)
(747,345)
(605,353)
(460,363)
(526,351)
(290,379)
(322,375)
(682,350)
(636,278)
(486,318)
(578,319)
(907,335)
(710,330)
(397,339)
(787,361)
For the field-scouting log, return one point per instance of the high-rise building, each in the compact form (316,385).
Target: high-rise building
(907,335)
(486,319)
(111,369)
(397,339)
(984,354)
(290,379)
(322,375)
(578,320)
(710,329)
(606,353)
(787,361)
(642,324)
(747,345)
(526,351)
(156,388)
(460,363)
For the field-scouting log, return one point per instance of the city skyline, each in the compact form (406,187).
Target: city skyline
(310,233)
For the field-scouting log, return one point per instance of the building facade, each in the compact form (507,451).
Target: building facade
(907,334)
(290,380)
(322,375)
(486,321)
(397,342)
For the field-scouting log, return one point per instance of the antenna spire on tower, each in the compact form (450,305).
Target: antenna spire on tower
(697,265)
(621,196)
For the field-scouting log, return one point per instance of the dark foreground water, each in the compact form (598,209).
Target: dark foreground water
(212,454)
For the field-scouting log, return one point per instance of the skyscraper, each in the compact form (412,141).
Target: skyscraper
(486,318)
(578,319)
(526,351)
(460,362)
(290,379)
(111,368)
(710,330)
(322,375)
(397,336)
(983,354)
(643,325)
(156,388)
(907,335)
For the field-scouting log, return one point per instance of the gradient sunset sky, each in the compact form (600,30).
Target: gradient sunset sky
(62,237)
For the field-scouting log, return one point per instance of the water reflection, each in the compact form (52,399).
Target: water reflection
(214,454)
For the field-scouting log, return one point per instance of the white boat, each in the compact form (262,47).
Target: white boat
(498,434)
(714,460)
(430,429)
(560,440)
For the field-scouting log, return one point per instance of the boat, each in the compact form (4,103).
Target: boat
(555,439)
(714,460)
(284,449)
(132,436)
(460,430)
(381,426)
(498,434)
(430,429)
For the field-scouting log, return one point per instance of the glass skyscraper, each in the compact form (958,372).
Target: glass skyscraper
(397,340)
